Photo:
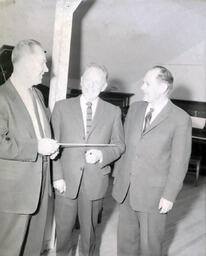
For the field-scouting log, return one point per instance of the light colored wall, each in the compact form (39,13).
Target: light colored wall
(128,37)
(131,37)
(22,19)
(190,73)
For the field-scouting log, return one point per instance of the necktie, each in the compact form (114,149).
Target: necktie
(46,125)
(147,119)
(89,117)
(33,96)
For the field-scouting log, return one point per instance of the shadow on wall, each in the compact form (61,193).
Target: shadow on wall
(181,92)
(116,85)
(75,51)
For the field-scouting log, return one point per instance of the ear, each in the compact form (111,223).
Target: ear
(104,87)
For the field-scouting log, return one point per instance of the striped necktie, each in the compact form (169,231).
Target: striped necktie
(89,117)
(147,119)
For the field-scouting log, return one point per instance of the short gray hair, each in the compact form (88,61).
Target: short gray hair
(165,76)
(97,66)
(23,47)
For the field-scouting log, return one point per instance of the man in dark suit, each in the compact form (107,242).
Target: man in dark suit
(150,174)
(25,146)
(81,174)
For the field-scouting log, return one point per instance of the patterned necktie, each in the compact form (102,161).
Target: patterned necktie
(147,119)
(89,117)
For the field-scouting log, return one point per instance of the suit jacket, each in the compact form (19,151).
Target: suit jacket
(20,164)
(156,161)
(67,122)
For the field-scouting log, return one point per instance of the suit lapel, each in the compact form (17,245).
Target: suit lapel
(140,116)
(78,117)
(160,117)
(21,108)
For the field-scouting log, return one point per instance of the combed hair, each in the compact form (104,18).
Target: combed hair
(165,75)
(23,47)
(97,66)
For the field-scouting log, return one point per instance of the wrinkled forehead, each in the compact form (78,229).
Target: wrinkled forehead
(28,53)
(93,74)
(34,53)
(38,53)
(151,74)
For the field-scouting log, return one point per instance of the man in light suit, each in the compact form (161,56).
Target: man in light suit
(81,174)
(25,146)
(150,174)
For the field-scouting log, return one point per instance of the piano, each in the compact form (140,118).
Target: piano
(198,161)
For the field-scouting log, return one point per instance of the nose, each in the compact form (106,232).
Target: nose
(142,87)
(46,68)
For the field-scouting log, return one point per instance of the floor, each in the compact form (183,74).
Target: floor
(186,226)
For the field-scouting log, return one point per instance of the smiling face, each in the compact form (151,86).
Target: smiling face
(153,88)
(36,65)
(93,81)
(29,62)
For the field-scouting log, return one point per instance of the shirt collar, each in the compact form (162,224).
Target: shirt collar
(84,101)
(18,85)
(159,104)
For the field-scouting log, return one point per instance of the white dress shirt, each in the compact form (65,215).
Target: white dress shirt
(157,108)
(83,105)
(26,98)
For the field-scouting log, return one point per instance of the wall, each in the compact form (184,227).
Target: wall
(128,37)
(21,19)
(132,36)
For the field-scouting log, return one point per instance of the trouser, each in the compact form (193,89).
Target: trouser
(22,234)
(66,211)
(37,221)
(139,233)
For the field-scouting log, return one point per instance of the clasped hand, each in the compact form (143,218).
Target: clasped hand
(60,186)
(93,156)
(165,205)
(48,147)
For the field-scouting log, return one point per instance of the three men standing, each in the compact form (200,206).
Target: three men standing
(81,174)
(150,174)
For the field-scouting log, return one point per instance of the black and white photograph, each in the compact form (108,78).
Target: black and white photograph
(103,128)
